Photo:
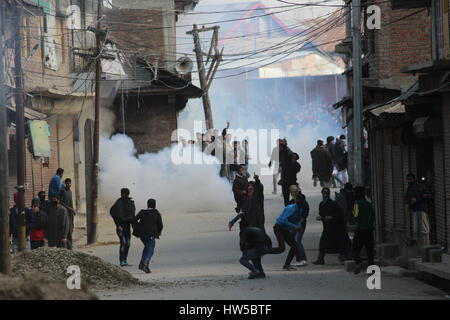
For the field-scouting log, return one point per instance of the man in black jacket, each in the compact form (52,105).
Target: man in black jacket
(240,185)
(322,164)
(254,243)
(123,212)
(148,226)
(289,173)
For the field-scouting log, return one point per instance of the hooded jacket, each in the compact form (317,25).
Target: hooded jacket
(123,211)
(148,222)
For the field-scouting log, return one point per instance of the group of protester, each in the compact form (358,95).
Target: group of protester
(350,207)
(231,153)
(330,162)
(49,219)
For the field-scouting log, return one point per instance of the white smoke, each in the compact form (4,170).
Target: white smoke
(176,188)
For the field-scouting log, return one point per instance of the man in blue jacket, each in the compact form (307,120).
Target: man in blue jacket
(286,225)
(55,186)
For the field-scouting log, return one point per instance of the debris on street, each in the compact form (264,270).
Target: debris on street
(38,287)
(53,263)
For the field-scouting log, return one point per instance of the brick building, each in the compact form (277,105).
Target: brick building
(151,94)
(59,86)
(49,65)
(406,115)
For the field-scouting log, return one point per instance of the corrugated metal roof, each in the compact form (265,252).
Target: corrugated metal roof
(395,105)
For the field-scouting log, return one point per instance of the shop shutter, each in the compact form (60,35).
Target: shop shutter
(439,191)
(376,161)
(412,159)
(446,142)
(397,181)
(388,181)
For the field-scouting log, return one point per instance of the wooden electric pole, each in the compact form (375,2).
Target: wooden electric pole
(206,79)
(92,236)
(357,96)
(5,258)
(20,127)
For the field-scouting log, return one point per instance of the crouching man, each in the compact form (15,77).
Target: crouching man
(254,243)
(147,226)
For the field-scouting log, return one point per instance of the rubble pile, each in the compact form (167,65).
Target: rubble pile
(39,287)
(53,263)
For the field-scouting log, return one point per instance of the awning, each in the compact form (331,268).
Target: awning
(29,113)
(345,101)
(392,106)
(40,138)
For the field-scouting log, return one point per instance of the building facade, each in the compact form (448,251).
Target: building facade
(406,117)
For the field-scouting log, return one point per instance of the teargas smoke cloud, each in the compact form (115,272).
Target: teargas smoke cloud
(176,188)
(300,107)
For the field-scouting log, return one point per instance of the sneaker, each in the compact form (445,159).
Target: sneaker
(260,275)
(300,263)
(123,264)
(146,269)
(141,266)
(253,275)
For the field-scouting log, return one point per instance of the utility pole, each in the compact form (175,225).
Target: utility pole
(206,79)
(357,96)
(5,258)
(20,127)
(350,132)
(92,237)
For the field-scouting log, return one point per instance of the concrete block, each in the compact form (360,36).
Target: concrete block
(441,270)
(392,271)
(349,265)
(402,261)
(446,258)
(397,271)
(435,255)
(425,252)
(409,273)
(389,250)
(412,263)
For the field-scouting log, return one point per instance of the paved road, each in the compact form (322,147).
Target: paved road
(197,258)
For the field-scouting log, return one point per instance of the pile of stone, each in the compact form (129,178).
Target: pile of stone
(38,287)
(53,263)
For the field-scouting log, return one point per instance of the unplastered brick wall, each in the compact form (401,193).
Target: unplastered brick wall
(402,41)
(38,76)
(139,31)
(152,124)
